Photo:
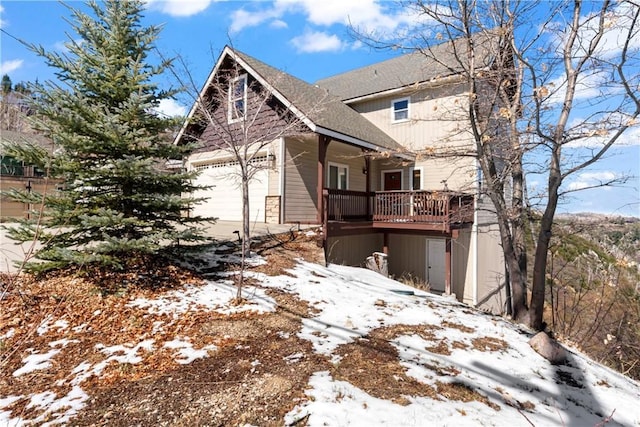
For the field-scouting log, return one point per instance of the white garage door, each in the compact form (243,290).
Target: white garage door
(224,199)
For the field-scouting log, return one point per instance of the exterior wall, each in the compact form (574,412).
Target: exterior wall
(352,157)
(407,255)
(300,179)
(437,125)
(491,270)
(353,250)
(301,175)
(462,250)
(266,124)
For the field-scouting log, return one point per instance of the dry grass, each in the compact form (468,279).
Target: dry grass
(489,344)
(462,392)
(373,366)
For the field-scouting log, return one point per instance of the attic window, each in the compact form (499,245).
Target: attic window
(237,98)
(400,110)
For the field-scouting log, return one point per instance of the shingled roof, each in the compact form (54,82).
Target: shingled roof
(408,69)
(327,113)
(321,112)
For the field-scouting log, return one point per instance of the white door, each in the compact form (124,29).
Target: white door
(436,269)
(224,198)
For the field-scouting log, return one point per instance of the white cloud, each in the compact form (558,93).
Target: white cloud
(241,19)
(171,108)
(7,67)
(180,8)
(630,137)
(369,16)
(278,23)
(592,179)
(316,41)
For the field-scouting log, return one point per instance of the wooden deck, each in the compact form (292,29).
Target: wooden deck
(409,210)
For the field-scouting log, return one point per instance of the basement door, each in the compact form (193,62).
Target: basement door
(435,264)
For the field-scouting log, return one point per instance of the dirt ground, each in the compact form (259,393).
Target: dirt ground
(258,372)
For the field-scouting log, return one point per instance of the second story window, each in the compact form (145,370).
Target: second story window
(400,110)
(237,98)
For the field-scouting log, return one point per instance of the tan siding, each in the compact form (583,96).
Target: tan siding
(486,211)
(459,173)
(437,125)
(301,163)
(353,158)
(407,255)
(353,250)
(491,271)
(275,173)
(462,268)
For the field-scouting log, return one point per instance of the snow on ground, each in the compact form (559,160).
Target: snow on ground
(525,386)
(522,387)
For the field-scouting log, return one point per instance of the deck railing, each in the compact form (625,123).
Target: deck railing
(345,205)
(436,207)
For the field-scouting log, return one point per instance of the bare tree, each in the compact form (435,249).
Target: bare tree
(527,67)
(236,114)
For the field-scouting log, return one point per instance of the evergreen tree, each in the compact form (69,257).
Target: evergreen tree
(6,84)
(116,198)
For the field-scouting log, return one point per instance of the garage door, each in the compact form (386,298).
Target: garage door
(224,198)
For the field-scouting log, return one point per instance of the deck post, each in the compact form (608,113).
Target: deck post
(367,168)
(323,144)
(447,263)
(385,243)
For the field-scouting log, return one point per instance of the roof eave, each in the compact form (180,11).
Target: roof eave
(454,78)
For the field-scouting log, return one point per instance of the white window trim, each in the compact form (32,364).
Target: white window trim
(389,171)
(393,111)
(231,101)
(338,165)
(421,169)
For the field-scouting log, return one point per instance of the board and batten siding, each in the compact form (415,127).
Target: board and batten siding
(353,250)
(462,250)
(407,255)
(491,270)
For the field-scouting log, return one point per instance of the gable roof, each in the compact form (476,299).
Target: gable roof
(408,69)
(321,112)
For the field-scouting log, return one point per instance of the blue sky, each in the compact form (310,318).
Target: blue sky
(306,38)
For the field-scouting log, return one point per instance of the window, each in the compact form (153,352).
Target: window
(416,179)
(338,176)
(237,98)
(11,166)
(400,110)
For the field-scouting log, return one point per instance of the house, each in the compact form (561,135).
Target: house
(363,166)
(17,175)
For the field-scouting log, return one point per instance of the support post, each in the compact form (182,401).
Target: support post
(447,263)
(367,168)
(323,144)
(385,243)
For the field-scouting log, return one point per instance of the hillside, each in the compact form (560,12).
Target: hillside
(593,293)
(309,346)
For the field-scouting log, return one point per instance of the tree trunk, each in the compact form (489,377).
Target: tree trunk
(536,310)
(246,237)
